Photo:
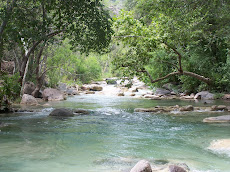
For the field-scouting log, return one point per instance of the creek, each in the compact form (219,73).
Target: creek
(111,138)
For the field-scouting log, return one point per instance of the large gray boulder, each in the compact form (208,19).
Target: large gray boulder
(62,86)
(204,95)
(29,100)
(162,92)
(142,166)
(218,119)
(29,87)
(61,113)
(51,94)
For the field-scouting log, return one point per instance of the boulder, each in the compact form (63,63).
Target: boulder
(84,88)
(162,92)
(29,100)
(142,166)
(175,168)
(96,88)
(61,113)
(51,94)
(133,94)
(69,91)
(75,92)
(29,87)
(224,118)
(204,95)
(62,86)
(219,108)
(226,97)
(187,108)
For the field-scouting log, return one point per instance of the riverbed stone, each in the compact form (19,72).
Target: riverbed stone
(162,92)
(62,86)
(155,109)
(219,108)
(204,95)
(142,166)
(62,112)
(187,108)
(51,94)
(29,100)
(218,119)
(95,88)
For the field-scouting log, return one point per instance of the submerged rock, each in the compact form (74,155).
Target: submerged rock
(224,118)
(61,113)
(222,144)
(81,111)
(142,166)
(29,100)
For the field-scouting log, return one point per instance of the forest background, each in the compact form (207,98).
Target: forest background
(185,43)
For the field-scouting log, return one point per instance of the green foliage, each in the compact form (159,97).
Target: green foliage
(156,29)
(10,89)
(68,66)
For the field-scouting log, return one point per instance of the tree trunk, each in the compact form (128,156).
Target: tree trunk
(39,78)
(24,77)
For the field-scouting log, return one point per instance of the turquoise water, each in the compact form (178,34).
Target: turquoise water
(111,139)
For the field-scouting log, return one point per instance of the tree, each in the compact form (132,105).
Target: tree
(35,24)
(176,28)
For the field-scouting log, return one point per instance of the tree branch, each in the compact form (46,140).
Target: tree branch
(199,77)
(179,56)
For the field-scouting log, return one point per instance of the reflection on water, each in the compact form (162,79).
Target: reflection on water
(112,138)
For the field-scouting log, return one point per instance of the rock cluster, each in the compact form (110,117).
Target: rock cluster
(144,166)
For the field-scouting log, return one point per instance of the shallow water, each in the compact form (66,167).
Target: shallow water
(111,139)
